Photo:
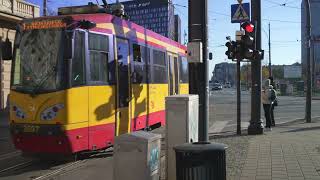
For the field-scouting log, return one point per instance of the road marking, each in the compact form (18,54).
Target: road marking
(218,126)
(24,164)
(58,171)
(10,155)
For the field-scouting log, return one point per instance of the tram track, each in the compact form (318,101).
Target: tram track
(50,173)
(55,168)
(17,166)
(10,155)
(64,169)
(74,165)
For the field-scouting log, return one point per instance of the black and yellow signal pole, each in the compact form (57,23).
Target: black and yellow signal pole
(198,72)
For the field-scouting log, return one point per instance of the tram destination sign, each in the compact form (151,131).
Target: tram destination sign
(44,24)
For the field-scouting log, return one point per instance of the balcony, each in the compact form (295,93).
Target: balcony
(18,9)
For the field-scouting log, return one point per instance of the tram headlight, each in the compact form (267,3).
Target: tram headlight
(51,112)
(18,112)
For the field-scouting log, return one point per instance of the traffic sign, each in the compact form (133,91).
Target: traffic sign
(240,13)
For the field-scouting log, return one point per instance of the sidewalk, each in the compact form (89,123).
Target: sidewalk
(290,151)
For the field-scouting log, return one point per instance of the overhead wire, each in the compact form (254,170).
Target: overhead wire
(282,5)
(228,15)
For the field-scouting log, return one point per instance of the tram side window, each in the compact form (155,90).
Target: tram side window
(78,62)
(140,58)
(98,49)
(183,66)
(159,72)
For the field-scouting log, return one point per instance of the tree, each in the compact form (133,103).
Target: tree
(265,72)
(277,72)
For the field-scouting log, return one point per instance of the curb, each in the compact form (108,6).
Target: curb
(244,130)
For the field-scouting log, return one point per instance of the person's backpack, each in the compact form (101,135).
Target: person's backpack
(273,95)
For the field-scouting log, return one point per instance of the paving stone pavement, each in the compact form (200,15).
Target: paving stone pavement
(289,152)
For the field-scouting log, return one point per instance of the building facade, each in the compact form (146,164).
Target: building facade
(11,13)
(156,15)
(177,28)
(315,35)
(225,72)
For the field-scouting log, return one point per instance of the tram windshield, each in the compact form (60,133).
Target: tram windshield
(38,62)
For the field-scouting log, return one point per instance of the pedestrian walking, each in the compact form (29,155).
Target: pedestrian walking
(266,101)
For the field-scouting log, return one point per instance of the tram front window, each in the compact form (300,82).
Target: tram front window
(38,62)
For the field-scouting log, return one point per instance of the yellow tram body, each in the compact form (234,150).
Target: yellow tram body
(114,82)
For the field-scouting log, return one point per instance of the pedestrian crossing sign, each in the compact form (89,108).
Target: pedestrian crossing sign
(240,13)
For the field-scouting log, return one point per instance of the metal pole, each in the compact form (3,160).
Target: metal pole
(309,83)
(238,98)
(1,77)
(256,126)
(313,42)
(247,76)
(198,72)
(270,66)
(44,7)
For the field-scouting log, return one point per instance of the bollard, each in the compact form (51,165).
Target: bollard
(201,161)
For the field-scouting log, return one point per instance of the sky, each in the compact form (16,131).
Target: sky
(283,15)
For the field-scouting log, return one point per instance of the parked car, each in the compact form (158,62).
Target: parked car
(216,86)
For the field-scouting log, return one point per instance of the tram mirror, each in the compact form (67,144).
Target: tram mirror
(6,49)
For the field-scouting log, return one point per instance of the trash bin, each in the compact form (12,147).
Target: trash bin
(201,161)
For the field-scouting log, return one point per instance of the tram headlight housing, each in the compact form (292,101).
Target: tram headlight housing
(18,112)
(51,112)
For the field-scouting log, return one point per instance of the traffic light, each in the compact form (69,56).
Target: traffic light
(248,41)
(232,48)
(248,49)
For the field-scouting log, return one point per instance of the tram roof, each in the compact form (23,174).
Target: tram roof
(106,23)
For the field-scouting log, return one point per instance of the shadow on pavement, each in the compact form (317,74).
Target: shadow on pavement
(300,129)
(228,134)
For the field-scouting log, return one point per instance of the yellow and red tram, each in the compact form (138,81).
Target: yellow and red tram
(74,88)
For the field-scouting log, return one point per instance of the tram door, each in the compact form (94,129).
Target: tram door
(123,95)
(173,74)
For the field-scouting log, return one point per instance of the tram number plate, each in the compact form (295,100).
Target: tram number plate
(31,129)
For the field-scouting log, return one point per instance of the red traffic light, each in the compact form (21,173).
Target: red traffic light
(248,27)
